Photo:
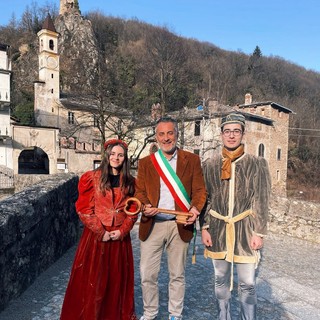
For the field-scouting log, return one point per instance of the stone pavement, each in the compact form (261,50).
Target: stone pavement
(288,285)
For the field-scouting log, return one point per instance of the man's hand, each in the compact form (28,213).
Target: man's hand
(206,238)
(195,214)
(256,242)
(149,211)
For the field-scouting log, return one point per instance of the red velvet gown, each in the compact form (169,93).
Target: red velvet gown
(101,285)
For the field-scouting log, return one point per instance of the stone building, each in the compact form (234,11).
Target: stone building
(6,158)
(66,136)
(266,133)
(268,136)
(57,142)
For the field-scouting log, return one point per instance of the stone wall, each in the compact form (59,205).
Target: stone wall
(296,218)
(23,181)
(37,226)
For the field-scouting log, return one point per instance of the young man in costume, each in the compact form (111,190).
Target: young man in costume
(169,179)
(235,219)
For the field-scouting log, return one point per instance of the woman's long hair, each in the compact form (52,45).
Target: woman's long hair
(127,181)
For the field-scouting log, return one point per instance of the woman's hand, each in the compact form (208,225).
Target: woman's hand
(115,235)
(106,236)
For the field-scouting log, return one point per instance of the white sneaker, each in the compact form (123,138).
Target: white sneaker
(175,318)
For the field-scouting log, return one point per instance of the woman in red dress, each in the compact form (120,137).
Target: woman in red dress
(101,285)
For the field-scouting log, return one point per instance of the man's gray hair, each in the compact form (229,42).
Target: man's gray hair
(168,119)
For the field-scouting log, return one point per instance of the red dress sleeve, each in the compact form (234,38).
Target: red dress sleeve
(85,204)
(127,225)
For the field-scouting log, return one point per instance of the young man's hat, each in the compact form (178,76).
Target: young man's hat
(233,118)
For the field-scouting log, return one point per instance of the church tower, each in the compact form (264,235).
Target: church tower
(47,92)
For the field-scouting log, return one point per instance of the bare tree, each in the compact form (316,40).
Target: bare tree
(162,68)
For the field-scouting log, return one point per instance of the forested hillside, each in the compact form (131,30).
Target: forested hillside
(141,64)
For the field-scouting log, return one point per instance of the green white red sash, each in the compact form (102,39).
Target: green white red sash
(171,180)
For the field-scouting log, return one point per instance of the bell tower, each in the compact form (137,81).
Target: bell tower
(47,91)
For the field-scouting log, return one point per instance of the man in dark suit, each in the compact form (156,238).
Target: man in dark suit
(169,179)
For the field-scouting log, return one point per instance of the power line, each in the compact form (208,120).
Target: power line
(304,129)
(303,135)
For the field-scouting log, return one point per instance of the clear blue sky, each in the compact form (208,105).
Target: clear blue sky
(289,29)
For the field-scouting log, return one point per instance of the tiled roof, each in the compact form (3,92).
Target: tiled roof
(48,24)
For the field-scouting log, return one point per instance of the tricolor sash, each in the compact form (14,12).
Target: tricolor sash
(171,180)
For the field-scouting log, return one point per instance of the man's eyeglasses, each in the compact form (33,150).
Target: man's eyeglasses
(236,132)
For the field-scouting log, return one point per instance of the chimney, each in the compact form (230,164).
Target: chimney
(248,98)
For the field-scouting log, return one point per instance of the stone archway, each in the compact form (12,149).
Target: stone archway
(33,161)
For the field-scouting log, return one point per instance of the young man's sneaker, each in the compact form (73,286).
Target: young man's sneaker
(175,318)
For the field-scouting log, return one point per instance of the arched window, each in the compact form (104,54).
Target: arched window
(51,44)
(279,154)
(70,117)
(197,128)
(261,150)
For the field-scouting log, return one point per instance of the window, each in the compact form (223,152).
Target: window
(70,117)
(96,164)
(196,151)
(95,121)
(61,164)
(279,154)
(278,175)
(96,144)
(261,150)
(197,126)
(259,126)
(51,44)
